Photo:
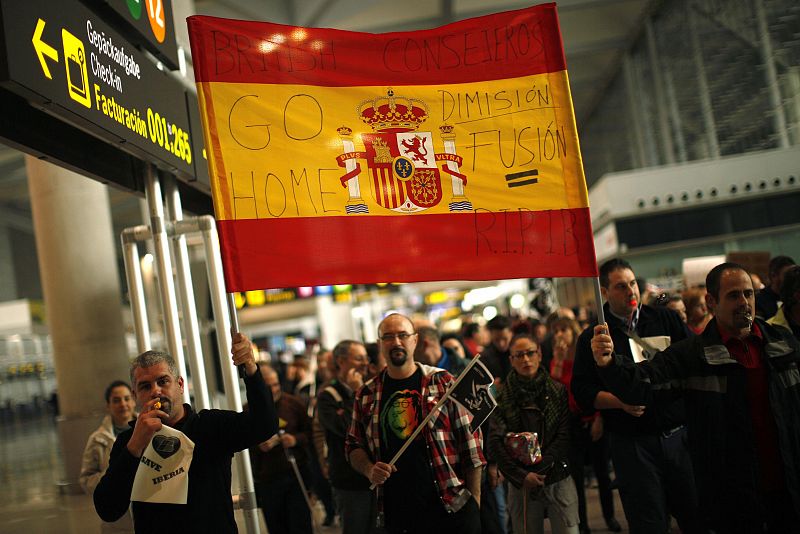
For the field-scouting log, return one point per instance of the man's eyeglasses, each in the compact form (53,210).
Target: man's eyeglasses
(402,336)
(526,354)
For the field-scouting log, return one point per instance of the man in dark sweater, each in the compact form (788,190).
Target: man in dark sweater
(217,435)
(279,493)
(335,405)
(648,440)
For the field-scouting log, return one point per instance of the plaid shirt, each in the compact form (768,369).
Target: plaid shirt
(449,441)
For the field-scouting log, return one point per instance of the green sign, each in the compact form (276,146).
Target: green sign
(135,7)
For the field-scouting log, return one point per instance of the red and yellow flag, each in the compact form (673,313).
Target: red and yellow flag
(346,157)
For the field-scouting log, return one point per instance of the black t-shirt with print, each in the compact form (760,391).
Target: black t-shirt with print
(411,489)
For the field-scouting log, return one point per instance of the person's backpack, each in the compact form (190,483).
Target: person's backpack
(318,432)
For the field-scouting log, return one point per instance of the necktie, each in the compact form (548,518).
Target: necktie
(633,320)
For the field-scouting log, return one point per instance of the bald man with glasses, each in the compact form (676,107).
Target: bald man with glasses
(435,485)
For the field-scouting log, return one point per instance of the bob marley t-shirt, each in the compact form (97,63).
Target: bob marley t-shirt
(411,489)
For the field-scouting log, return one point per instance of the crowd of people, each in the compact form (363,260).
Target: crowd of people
(687,404)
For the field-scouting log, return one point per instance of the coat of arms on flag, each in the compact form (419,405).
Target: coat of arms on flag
(403,175)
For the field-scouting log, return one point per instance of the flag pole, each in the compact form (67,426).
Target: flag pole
(225,321)
(433,411)
(598,297)
(234,326)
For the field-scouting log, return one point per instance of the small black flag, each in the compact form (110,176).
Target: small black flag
(474,393)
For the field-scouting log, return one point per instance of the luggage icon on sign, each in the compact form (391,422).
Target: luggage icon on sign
(77,73)
(75,68)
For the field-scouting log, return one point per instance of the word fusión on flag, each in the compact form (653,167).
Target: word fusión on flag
(346,157)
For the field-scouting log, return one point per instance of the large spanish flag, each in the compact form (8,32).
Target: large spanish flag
(345,157)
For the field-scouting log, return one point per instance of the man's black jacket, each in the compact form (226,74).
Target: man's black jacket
(217,435)
(663,412)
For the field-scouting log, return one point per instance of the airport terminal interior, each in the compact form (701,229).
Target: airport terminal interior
(688,118)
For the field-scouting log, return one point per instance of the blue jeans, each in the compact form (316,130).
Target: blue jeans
(494,517)
(357,510)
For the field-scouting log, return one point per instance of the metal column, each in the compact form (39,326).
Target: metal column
(169,304)
(658,84)
(186,295)
(672,99)
(702,87)
(208,229)
(636,119)
(133,271)
(778,115)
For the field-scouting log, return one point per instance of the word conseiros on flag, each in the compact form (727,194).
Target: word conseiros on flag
(441,154)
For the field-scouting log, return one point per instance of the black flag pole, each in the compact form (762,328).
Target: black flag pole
(598,297)
(235,326)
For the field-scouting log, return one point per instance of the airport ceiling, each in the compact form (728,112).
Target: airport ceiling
(596,34)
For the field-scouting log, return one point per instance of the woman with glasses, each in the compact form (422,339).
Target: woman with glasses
(531,401)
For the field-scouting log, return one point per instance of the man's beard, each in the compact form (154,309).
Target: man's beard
(398,356)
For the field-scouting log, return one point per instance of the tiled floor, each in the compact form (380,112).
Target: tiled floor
(31,503)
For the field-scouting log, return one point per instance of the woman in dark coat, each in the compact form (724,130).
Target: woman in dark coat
(531,401)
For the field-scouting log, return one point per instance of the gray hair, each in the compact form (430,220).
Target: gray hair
(342,350)
(151,358)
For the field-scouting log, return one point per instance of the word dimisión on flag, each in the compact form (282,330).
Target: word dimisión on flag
(443,154)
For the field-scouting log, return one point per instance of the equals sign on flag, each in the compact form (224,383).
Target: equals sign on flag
(516,179)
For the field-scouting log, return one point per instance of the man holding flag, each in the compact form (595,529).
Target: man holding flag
(435,484)
(648,441)
(175,463)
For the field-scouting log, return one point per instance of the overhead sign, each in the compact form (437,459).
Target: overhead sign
(65,59)
(144,22)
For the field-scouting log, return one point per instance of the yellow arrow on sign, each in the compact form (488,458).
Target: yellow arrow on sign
(43,49)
